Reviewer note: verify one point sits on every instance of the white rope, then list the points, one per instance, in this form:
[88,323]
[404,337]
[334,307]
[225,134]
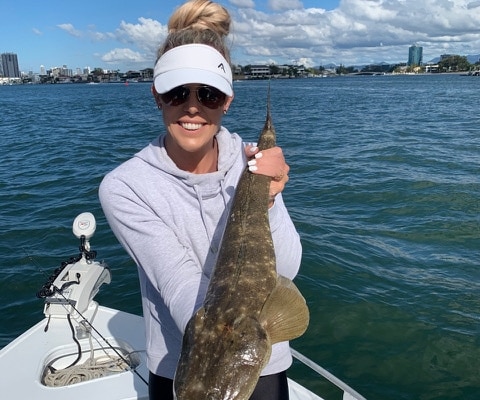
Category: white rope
[92,368]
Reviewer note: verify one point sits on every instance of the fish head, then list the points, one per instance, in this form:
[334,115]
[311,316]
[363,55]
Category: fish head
[221,362]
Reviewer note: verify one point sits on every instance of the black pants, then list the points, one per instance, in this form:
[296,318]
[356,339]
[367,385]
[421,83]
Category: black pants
[270,387]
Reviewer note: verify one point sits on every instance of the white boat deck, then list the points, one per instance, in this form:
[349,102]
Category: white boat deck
[22,362]
[44,362]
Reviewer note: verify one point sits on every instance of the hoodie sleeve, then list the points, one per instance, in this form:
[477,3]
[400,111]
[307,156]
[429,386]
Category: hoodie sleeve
[172,276]
[288,249]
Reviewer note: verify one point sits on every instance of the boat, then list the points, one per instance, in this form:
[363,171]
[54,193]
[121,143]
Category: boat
[82,350]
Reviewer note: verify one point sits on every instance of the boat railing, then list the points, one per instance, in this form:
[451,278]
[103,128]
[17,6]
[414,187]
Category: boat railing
[348,392]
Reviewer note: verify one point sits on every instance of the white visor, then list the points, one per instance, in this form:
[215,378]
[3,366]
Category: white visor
[192,63]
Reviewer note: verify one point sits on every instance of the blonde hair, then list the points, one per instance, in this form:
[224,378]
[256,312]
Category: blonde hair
[198,21]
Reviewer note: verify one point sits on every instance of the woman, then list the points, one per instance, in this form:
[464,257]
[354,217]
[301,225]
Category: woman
[167,205]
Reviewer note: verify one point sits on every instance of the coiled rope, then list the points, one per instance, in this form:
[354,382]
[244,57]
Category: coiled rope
[92,368]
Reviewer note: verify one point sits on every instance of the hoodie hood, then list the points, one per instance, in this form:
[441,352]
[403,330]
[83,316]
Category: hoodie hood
[212,191]
[230,145]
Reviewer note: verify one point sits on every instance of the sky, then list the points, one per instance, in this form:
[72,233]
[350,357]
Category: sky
[118,35]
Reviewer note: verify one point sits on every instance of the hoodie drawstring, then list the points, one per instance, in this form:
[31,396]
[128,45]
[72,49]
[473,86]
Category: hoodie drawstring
[213,248]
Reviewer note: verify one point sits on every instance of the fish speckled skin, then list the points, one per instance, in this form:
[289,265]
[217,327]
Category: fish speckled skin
[247,308]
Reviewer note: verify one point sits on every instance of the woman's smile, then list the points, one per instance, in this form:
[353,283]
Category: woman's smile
[190,126]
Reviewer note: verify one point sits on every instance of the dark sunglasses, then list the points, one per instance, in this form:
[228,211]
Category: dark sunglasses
[207,96]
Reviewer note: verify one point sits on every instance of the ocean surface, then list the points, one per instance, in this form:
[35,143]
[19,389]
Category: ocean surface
[384,190]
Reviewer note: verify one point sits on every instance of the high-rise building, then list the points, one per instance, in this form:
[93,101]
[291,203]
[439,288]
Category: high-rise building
[10,65]
[415,55]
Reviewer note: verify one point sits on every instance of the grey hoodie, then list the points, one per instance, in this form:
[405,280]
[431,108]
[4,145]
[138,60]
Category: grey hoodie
[171,223]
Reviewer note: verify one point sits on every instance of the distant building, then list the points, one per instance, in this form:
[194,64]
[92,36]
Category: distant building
[445,56]
[62,71]
[10,65]
[259,71]
[432,68]
[415,55]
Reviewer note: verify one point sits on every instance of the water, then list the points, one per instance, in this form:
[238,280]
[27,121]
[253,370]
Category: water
[384,190]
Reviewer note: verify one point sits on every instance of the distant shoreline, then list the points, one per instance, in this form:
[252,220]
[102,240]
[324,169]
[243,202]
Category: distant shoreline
[17,81]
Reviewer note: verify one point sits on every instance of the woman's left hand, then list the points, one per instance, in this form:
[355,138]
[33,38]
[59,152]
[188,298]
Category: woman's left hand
[269,162]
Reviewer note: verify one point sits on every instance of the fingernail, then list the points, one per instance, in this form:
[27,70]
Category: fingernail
[253,149]
[252,162]
[259,155]
[252,168]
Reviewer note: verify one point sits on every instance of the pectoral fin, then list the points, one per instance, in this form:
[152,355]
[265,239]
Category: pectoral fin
[285,313]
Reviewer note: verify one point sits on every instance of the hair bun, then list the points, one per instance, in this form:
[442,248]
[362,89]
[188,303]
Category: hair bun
[200,15]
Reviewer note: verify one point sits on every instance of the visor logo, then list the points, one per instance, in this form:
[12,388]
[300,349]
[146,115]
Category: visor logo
[221,66]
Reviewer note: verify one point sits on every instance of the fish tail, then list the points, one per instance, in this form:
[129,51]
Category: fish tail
[268,136]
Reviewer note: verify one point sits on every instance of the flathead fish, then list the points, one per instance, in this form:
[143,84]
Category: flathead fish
[248,306]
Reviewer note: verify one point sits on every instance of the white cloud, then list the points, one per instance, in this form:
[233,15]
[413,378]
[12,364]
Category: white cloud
[357,32]
[143,37]
[147,34]
[353,32]
[37,31]
[242,3]
[123,55]
[101,36]
[278,5]
[473,4]
[305,61]
[69,28]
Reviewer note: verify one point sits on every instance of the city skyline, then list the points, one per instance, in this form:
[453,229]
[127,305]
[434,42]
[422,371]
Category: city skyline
[9,62]
[308,32]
